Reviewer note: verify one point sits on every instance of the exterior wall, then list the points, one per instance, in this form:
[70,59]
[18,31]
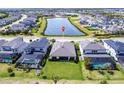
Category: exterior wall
[100,51]
[111,51]
[61,58]
[8,58]
[5,48]
[121,52]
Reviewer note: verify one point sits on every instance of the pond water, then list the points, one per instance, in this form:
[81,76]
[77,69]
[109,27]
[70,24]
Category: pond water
[54,26]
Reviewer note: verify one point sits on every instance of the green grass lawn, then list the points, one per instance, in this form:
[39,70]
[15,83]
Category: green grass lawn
[68,72]
[43,24]
[64,70]
[21,74]
[3,15]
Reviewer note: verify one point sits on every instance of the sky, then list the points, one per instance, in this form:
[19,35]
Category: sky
[61,3]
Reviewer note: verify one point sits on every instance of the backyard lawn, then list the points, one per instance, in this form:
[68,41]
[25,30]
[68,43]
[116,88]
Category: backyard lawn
[64,70]
[67,72]
[18,73]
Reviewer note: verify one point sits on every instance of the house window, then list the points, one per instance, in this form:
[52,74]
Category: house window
[94,51]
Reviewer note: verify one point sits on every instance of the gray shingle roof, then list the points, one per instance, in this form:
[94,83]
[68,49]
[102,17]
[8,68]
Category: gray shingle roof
[31,58]
[116,45]
[15,43]
[63,49]
[121,60]
[93,46]
[2,42]
[39,43]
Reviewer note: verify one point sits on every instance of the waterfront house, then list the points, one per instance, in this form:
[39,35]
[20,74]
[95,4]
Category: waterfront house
[11,50]
[34,54]
[40,45]
[97,53]
[63,51]
[116,50]
[2,41]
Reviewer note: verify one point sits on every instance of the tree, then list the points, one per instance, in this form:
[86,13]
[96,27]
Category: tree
[30,40]
[12,74]
[108,68]
[101,71]
[53,40]
[88,63]
[9,70]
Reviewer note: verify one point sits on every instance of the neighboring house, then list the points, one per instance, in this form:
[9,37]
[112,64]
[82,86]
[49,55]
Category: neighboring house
[11,50]
[40,45]
[116,50]
[1,43]
[97,53]
[63,51]
[34,54]
[87,48]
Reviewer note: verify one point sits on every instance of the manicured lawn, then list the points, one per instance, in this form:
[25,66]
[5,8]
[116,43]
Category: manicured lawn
[64,70]
[2,15]
[43,24]
[21,74]
[67,72]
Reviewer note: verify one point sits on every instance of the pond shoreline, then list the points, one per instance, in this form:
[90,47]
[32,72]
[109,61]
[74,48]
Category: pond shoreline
[71,30]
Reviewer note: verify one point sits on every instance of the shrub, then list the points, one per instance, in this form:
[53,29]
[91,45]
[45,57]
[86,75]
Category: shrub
[53,40]
[9,70]
[36,82]
[55,79]
[101,72]
[89,78]
[44,77]
[103,82]
[12,74]
[110,72]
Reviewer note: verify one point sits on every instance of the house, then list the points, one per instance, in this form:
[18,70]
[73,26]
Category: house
[97,53]
[11,50]
[40,45]
[34,54]
[2,41]
[63,51]
[30,60]
[116,50]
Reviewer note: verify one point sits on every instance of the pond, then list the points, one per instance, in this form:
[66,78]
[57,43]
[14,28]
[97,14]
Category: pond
[54,26]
